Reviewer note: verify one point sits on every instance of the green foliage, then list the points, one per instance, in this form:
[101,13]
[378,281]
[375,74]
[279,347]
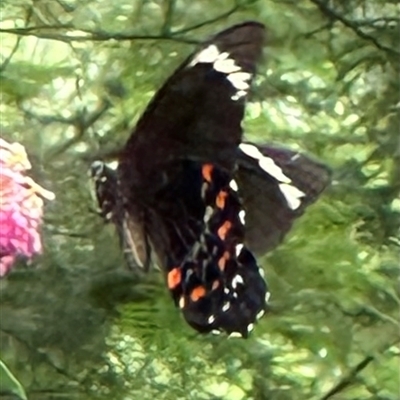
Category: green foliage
[10,384]
[75,76]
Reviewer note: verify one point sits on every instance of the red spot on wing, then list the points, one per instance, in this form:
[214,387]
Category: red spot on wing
[197,293]
[207,171]
[224,229]
[221,199]
[222,261]
[174,278]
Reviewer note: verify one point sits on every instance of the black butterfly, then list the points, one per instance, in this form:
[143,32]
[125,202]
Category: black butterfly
[188,189]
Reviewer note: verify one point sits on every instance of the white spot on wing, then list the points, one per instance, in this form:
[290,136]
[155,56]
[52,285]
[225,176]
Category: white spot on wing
[207,55]
[226,306]
[237,280]
[250,150]
[216,332]
[267,297]
[112,165]
[261,272]
[226,66]
[260,314]
[235,334]
[242,215]
[211,319]
[250,327]
[240,80]
[238,249]
[269,166]
[233,185]
[292,195]
[238,95]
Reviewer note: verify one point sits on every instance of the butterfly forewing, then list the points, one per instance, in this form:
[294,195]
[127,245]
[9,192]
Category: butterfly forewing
[197,113]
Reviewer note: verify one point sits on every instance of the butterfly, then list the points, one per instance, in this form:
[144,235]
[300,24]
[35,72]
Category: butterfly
[187,189]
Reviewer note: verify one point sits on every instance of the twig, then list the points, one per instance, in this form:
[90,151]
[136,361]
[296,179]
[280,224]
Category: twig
[332,14]
[15,48]
[81,122]
[226,14]
[89,36]
[169,14]
[349,378]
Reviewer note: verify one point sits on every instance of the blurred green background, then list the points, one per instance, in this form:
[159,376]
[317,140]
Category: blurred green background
[76,74]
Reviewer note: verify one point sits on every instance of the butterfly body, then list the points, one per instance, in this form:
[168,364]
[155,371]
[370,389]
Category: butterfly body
[188,189]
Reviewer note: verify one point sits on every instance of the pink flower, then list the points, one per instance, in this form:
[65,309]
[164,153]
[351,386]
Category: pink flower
[21,207]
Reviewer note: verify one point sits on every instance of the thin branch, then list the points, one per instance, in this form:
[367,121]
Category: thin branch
[226,14]
[103,36]
[17,43]
[169,15]
[334,15]
[44,356]
[349,378]
[94,36]
[81,122]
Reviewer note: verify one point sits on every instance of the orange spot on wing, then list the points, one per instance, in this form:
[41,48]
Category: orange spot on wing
[198,293]
[223,229]
[206,171]
[222,261]
[221,197]
[174,278]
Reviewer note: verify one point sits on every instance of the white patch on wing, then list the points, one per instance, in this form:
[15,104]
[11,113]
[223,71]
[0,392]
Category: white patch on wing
[269,166]
[233,185]
[207,55]
[238,249]
[260,314]
[242,215]
[235,334]
[291,193]
[240,80]
[237,280]
[250,150]
[112,165]
[239,94]
[222,63]
[226,65]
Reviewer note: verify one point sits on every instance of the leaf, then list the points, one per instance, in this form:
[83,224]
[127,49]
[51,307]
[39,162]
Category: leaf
[9,383]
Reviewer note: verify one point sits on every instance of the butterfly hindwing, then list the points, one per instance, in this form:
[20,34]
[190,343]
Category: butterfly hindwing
[217,284]
[276,185]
